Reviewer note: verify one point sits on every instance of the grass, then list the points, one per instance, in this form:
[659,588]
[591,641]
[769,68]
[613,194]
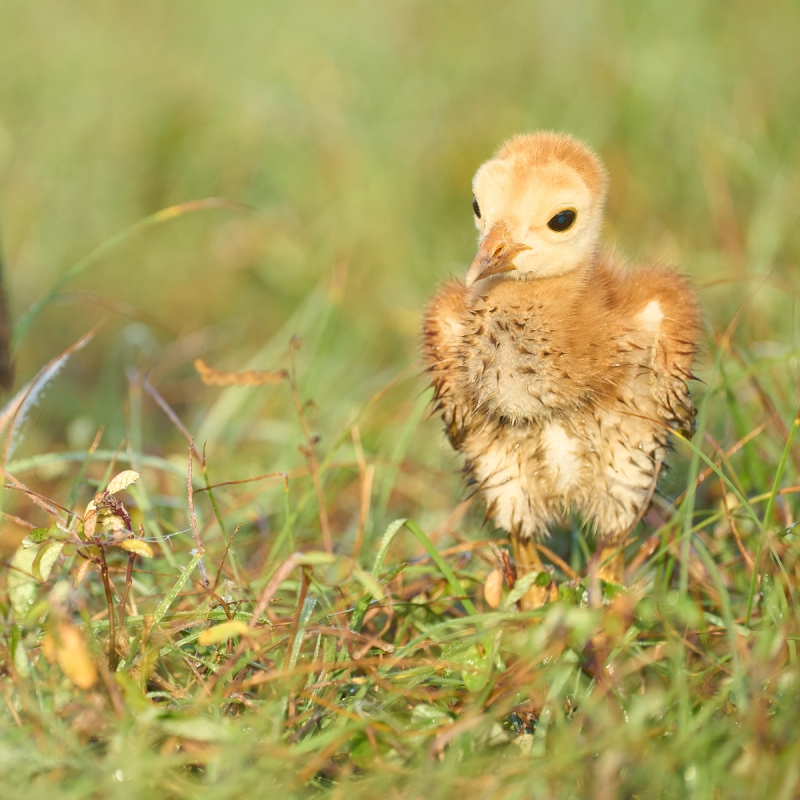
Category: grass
[300,607]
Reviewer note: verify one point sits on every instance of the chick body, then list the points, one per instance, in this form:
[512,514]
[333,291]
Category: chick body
[559,384]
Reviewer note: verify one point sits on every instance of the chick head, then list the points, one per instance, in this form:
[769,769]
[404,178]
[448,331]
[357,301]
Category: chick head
[539,208]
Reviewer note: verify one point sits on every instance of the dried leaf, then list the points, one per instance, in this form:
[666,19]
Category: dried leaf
[81,573]
[137,546]
[223,632]
[250,377]
[493,588]
[89,521]
[105,511]
[122,481]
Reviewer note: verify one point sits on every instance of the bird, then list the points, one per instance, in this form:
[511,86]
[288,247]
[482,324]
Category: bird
[559,369]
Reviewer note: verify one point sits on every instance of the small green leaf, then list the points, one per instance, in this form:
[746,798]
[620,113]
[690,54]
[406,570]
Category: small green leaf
[361,751]
[45,558]
[521,586]
[573,595]
[476,665]
[770,599]
[30,565]
[39,535]
[21,661]
[427,716]
[175,590]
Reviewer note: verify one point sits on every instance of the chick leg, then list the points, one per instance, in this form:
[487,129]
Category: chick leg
[607,564]
[612,564]
[526,558]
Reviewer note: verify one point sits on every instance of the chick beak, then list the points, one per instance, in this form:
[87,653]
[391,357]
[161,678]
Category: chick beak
[496,254]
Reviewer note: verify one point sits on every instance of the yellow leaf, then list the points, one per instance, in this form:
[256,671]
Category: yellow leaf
[141,548]
[80,574]
[122,481]
[493,588]
[72,655]
[49,648]
[223,632]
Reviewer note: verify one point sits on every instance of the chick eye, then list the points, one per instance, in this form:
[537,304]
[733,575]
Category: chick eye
[476,208]
[562,221]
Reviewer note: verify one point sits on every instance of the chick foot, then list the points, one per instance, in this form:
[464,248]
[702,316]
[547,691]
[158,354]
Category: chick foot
[527,560]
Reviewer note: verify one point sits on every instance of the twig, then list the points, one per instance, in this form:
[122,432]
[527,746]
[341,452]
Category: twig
[45,503]
[113,660]
[176,421]
[558,561]
[193,519]
[225,556]
[310,451]
[126,590]
[173,417]
[114,694]
[211,497]
[748,559]
[247,480]
[23,523]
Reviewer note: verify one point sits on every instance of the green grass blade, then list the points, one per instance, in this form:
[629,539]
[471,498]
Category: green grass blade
[444,567]
[176,588]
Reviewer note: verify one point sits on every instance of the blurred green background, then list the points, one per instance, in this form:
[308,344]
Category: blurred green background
[353,130]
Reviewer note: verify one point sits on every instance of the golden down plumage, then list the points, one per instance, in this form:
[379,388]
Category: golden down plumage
[558,370]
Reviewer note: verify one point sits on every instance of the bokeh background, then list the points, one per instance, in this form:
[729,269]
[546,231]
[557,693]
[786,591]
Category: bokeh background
[352,130]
